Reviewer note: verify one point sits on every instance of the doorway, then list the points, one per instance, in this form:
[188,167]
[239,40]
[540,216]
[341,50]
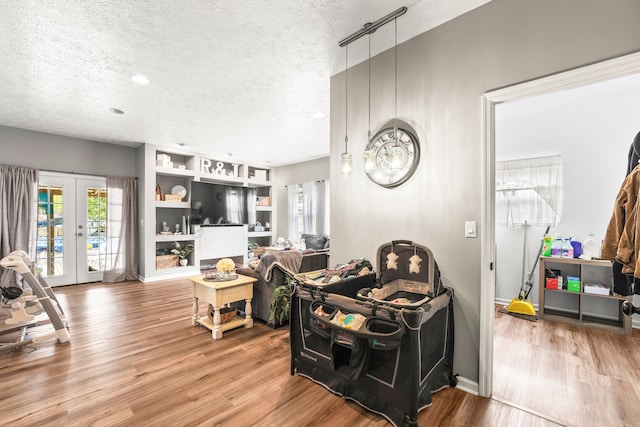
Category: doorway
[71,229]
[607,70]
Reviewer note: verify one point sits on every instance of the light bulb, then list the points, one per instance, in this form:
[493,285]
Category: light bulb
[396,157]
[369,161]
[345,164]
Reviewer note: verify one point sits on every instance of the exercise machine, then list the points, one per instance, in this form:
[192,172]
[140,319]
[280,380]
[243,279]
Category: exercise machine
[26,302]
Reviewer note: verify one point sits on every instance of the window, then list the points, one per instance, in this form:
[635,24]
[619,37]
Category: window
[308,208]
[529,190]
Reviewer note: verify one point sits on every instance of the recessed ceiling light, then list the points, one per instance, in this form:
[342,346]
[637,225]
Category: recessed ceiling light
[116,111]
[181,144]
[140,79]
[319,115]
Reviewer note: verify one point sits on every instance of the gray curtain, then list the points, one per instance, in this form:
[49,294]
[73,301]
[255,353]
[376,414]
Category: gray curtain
[122,230]
[18,209]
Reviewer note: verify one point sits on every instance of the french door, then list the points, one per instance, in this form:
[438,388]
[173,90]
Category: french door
[71,234]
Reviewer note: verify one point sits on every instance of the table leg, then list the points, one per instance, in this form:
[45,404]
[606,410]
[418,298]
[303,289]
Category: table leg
[195,316]
[216,332]
[248,321]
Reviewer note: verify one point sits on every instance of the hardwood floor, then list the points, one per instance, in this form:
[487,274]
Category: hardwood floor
[576,375]
[135,360]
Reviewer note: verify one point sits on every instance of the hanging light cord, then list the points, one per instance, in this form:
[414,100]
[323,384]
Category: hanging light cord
[395,52]
[346,96]
[369,62]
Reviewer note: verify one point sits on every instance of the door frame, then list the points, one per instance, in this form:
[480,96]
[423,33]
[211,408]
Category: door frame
[71,264]
[583,76]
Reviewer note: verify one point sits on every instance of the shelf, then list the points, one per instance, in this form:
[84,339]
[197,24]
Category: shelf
[260,233]
[607,316]
[251,182]
[214,177]
[166,171]
[174,237]
[173,205]
[188,168]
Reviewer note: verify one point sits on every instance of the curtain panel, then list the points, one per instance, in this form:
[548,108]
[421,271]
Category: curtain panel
[122,230]
[18,209]
[529,190]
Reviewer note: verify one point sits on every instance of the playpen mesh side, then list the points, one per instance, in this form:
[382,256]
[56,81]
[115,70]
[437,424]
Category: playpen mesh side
[382,381]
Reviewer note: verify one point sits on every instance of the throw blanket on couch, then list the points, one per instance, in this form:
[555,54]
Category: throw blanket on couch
[288,261]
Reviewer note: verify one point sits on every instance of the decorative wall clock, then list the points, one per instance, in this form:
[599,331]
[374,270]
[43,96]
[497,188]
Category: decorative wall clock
[383,174]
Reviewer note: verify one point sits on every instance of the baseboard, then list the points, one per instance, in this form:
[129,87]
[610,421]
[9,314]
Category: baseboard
[467,385]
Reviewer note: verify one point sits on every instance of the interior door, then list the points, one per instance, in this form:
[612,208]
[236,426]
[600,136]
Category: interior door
[71,228]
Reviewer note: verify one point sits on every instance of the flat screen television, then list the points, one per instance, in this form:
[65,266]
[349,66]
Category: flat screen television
[222,204]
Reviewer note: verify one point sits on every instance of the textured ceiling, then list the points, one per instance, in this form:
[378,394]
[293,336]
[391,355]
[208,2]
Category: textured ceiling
[239,77]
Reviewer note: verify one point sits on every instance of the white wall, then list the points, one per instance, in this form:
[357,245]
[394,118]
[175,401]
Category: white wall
[592,128]
[442,76]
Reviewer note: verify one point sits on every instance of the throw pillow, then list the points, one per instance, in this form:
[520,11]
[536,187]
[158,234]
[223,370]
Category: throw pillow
[314,241]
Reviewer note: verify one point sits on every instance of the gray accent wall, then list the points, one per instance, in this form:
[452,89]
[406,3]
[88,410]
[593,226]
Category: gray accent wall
[442,75]
[57,153]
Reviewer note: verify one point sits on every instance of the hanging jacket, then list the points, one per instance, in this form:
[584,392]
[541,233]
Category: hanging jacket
[634,154]
[622,238]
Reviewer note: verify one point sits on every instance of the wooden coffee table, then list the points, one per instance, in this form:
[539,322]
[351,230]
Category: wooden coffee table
[218,294]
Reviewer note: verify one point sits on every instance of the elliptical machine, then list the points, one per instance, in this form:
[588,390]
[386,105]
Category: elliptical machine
[27,306]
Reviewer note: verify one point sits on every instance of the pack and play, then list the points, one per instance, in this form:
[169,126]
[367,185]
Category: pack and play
[387,346]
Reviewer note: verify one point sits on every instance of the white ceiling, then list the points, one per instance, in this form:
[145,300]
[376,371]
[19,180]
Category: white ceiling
[235,77]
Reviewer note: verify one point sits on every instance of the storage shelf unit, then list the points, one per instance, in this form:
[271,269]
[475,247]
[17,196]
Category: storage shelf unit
[577,307]
[184,169]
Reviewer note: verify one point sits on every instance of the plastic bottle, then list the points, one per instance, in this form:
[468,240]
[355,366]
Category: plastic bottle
[590,248]
[556,247]
[577,248]
[546,246]
[567,249]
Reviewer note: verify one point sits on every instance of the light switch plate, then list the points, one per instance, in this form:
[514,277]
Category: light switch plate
[470,229]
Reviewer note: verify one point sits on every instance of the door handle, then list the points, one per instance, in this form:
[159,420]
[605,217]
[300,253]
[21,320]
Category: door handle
[79,234]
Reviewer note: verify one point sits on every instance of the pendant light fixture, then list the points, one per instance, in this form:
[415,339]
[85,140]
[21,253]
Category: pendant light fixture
[396,153]
[345,159]
[369,155]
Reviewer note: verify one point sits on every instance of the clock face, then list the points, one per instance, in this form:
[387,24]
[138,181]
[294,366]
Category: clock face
[390,170]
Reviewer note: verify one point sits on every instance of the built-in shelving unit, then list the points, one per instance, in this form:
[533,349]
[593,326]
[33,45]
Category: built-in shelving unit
[168,169]
[579,307]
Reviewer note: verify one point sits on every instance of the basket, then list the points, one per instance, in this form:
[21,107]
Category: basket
[166,261]
[226,313]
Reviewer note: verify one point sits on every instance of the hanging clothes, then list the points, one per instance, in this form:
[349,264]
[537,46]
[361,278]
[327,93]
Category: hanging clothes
[634,154]
[622,239]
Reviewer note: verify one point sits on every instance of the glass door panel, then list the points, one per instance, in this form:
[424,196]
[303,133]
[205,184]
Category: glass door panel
[71,233]
[55,243]
[92,209]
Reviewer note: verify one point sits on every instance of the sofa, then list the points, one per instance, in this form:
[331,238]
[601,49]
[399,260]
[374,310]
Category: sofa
[271,271]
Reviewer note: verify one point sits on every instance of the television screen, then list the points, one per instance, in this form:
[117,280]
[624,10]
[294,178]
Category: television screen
[220,204]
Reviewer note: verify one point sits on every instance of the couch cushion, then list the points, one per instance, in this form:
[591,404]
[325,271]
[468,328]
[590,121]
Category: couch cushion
[314,241]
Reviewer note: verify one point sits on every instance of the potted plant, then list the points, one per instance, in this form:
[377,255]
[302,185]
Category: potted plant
[280,304]
[182,250]
[251,246]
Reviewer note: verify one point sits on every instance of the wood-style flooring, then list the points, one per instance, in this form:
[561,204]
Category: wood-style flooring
[135,360]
